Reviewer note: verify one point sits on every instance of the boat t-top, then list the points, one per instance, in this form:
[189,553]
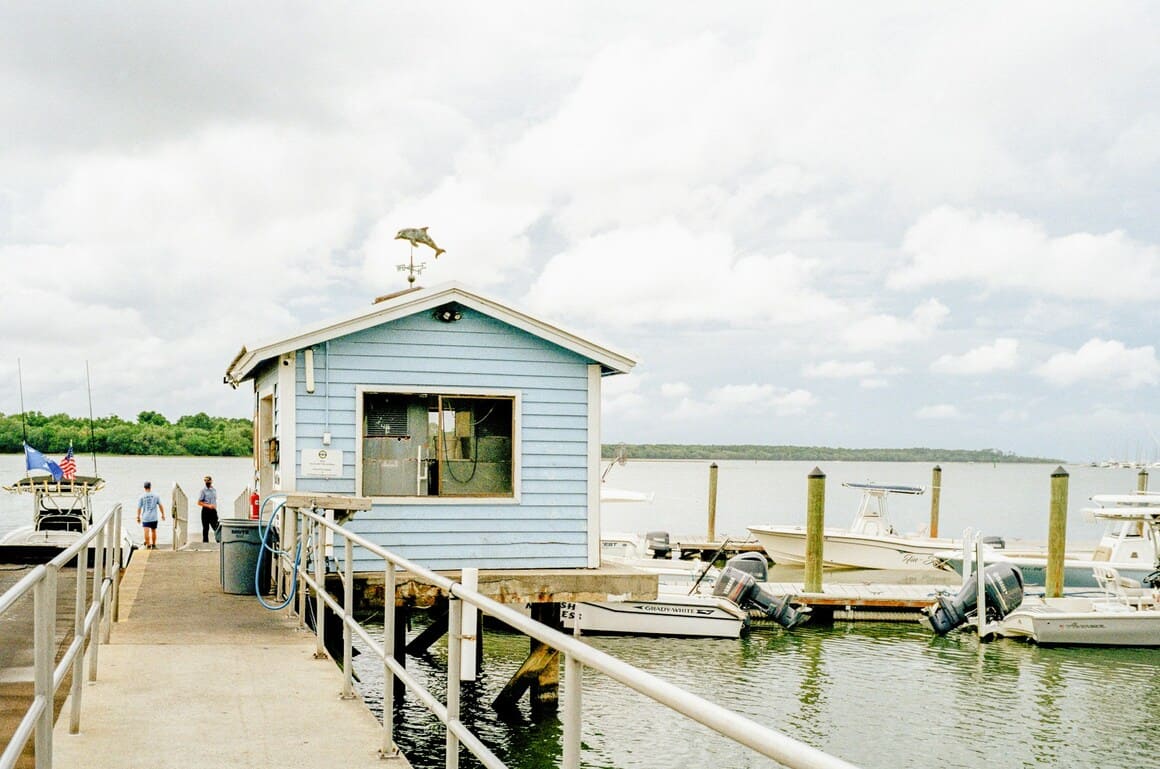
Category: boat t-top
[870,542]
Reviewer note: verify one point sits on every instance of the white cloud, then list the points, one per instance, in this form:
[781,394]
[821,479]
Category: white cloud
[716,187]
[1108,362]
[939,411]
[744,402]
[810,224]
[837,369]
[665,273]
[1007,251]
[1000,356]
[884,331]
[622,395]
[1014,416]
[761,398]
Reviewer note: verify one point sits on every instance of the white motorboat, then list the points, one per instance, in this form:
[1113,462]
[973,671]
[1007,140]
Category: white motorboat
[1082,622]
[671,614]
[62,513]
[654,553]
[1126,614]
[1127,545]
[870,542]
[719,611]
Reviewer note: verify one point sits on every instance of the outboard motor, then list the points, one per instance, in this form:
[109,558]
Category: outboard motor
[1003,587]
[742,589]
[658,543]
[753,564]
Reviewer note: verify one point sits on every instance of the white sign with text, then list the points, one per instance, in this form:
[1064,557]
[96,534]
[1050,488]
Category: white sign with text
[321,463]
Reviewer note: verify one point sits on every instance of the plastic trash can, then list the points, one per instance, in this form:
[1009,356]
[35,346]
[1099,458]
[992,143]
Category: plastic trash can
[241,543]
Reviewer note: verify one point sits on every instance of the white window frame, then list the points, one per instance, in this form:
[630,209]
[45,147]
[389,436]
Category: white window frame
[361,391]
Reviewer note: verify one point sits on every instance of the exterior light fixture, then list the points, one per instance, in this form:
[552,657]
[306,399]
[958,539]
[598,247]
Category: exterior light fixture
[448,313]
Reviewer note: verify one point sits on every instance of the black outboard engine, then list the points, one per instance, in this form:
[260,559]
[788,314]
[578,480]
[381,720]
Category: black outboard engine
[741,588]
[658,543]
[1003,587]
[753,564]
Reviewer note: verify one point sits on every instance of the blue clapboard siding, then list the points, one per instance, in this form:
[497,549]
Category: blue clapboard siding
[548,528]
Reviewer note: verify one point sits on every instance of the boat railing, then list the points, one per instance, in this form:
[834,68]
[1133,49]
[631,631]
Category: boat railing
[97,588]
[309,534]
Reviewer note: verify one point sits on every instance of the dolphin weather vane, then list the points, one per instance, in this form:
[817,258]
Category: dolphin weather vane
[418,237]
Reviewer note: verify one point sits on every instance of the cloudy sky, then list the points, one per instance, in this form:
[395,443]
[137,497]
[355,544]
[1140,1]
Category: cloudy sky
[853,224]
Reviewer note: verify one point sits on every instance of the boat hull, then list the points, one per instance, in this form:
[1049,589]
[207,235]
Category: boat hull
[1077,572]
[28,546]
[682,616]
[1077,622]
[786,545]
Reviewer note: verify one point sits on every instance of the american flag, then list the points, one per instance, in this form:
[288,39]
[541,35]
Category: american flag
[68,465]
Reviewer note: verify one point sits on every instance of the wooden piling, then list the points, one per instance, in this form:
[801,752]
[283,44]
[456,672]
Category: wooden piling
[1142,480]
[540,673]
[815,527]
[1056,533]
[935,493]
[712,537]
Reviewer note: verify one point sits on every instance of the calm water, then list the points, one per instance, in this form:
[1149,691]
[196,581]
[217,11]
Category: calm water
[878,695]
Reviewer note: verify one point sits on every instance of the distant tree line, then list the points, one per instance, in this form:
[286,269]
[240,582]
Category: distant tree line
[812,453]
[151,434]
[203,435]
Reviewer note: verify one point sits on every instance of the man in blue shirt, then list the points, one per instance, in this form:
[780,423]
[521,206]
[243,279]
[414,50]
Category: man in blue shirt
[207,501]
[148,507]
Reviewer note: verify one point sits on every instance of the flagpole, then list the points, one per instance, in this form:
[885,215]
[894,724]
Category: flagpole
[92,434]
[23,425]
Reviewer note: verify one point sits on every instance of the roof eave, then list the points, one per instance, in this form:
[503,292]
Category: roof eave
[409,303]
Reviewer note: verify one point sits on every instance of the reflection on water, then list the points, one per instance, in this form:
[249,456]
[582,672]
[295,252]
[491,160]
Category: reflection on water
[876,694]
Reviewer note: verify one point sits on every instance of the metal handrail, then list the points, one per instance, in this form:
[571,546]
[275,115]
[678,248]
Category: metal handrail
[95,612]
[311,530]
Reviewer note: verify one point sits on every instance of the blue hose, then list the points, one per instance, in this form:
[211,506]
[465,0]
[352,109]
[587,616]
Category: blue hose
[264,531]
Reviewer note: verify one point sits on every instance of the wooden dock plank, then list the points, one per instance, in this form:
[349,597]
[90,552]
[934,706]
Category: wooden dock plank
[860,594]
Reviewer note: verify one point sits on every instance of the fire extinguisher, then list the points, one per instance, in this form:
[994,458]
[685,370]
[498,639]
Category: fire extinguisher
[254,505]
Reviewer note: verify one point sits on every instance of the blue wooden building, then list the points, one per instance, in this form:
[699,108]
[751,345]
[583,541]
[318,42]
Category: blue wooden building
[474,427]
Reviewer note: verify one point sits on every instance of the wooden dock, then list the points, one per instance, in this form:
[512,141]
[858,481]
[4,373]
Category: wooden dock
[194,677]
[863,601]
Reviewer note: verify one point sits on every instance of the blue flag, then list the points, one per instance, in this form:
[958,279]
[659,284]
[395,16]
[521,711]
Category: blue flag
[34,460]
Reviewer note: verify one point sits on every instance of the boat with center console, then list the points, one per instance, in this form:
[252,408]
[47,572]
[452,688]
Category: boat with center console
[62,511]
[870,542]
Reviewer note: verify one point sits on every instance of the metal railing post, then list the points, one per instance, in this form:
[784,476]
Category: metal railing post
[303,529]
[389,748]
[347,618]
[78,666]
[44,641]
[454,660]
[99,598]
[115,533]
[320,587]
[573,688]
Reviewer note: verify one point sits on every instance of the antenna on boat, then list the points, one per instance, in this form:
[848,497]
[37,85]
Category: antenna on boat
[92,433]
[621,458]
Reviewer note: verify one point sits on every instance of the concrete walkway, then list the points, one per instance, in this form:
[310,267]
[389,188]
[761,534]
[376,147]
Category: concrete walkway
[197,678]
